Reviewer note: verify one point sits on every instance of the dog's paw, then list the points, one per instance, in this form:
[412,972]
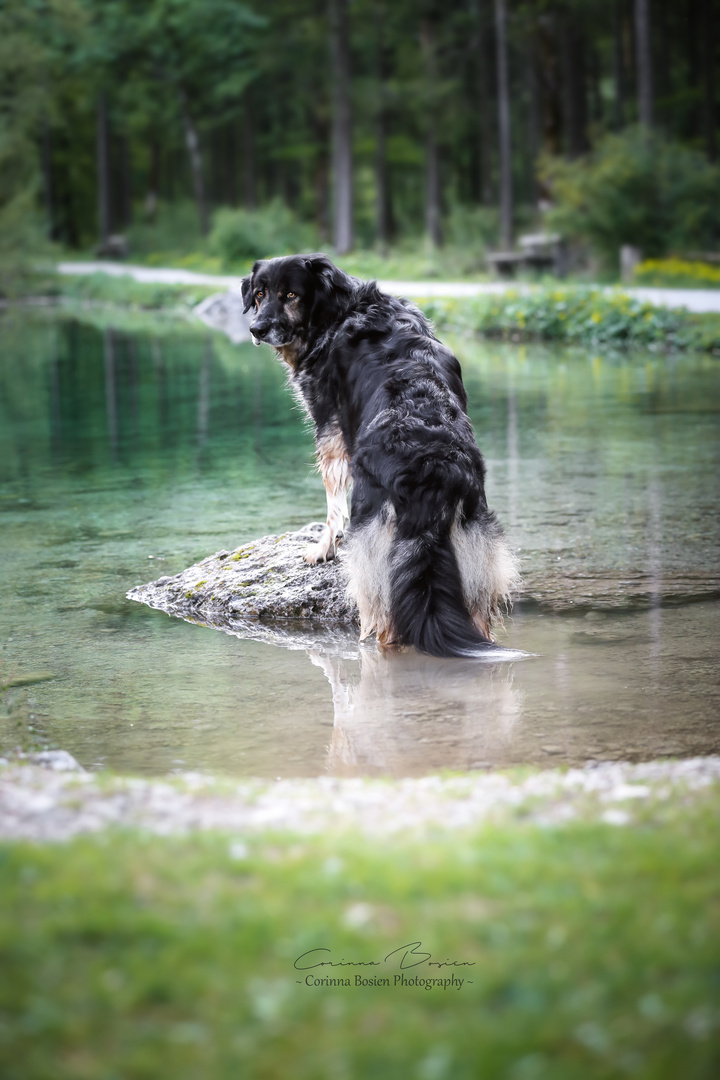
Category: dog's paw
[325,549]
[319,553]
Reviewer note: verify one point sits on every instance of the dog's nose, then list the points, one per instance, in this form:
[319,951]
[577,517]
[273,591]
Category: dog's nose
[259,329]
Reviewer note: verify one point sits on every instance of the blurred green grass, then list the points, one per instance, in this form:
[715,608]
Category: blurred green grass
[595,953]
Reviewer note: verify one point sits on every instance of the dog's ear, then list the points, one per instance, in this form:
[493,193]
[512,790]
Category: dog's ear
[333,287]
[247,289]
[247,293]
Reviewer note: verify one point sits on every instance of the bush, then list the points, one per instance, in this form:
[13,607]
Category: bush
[698,275]
[174,228]
[240,236]
[577,316]
[635,188]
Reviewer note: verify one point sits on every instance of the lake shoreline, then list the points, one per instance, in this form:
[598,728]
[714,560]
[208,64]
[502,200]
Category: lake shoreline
[516,312]
[49,797]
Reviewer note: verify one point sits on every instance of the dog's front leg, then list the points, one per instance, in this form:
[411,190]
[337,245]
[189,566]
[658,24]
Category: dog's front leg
[334,467]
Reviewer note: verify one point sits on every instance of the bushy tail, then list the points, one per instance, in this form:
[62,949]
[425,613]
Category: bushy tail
[426,598]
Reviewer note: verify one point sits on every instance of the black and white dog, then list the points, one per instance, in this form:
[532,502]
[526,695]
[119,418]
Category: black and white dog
[427,561]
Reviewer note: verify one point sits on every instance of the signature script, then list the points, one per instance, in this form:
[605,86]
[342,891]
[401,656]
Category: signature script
[409,956]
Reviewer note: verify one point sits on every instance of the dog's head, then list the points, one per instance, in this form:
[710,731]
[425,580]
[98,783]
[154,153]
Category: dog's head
[293,296]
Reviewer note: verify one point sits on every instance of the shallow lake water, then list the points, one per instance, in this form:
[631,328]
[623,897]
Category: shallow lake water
[125,456]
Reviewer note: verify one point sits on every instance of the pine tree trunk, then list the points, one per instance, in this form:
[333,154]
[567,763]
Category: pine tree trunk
[249,156]
[230,164]
[532,119]
[125,182]
[433,221]
[618,67]
[575,87]
[192,143]
[383,207]
[103,170]
[549,85]
[483,59]
[644,62]
[506,191]
[153,189]
[341,127]
[383,203]
[708,53]
[321,175]
[433,217]
[48,192]
[486,122]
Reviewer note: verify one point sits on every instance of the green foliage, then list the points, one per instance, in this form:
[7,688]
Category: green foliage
[470,230]
[578,316]
[241,236]
[173,231]
[24,106]
[593,951]
[251,89]
[204,48]
[635,188]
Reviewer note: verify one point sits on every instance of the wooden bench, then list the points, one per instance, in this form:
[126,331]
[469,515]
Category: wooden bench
[538,251]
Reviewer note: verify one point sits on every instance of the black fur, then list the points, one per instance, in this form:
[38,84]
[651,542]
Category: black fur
[368,364]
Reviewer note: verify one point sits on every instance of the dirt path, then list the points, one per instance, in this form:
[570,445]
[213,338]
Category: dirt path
[698,300]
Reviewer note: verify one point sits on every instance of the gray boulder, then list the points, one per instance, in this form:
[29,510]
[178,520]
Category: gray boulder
[263,590]
[224,311]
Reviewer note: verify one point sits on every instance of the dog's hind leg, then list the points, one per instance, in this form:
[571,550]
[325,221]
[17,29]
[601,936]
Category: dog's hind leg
[334,467]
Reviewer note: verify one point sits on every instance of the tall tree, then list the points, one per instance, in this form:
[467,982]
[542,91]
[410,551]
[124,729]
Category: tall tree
[197,54]
[192,142]
[433,213]
[48,185]
[644,62]
[384,224]
[103,170]
[708,65]
[248,153]
[575,85]
[343,236]
[504,142]
[481,26]
[618,66]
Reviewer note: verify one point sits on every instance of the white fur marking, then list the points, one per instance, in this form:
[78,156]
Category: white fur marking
[368,569]
[335,469]
[488,570]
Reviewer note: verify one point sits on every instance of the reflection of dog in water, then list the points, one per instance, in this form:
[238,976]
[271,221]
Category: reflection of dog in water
[409,714]
[427,560]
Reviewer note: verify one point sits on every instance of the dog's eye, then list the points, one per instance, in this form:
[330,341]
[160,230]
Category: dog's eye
[291,295]
[259,294]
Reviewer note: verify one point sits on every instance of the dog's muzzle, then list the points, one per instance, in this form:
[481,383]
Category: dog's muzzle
[265,333]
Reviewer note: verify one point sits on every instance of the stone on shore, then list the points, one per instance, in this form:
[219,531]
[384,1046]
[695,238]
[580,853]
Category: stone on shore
[224,311]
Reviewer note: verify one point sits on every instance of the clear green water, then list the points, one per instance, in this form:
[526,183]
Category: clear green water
[125,456]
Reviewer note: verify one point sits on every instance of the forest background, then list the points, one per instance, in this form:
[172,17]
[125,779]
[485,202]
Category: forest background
[211,132]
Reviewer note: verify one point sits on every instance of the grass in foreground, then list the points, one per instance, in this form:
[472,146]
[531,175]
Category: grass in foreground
[587,951]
